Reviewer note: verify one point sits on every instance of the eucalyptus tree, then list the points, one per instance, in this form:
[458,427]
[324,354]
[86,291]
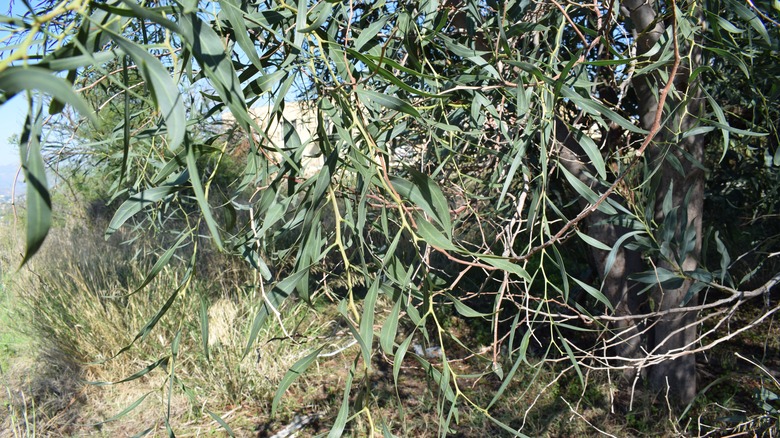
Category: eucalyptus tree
[471,149]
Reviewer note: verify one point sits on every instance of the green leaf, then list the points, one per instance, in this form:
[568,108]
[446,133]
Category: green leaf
[505,264]
[595,293]
[208,49]
[573,359]
[752,18]
[265,83]
[300,22]
[161,263]
[519,149]
[38,199]
[390,328]
[367,318]
[324,12]
[147,328]
[389,75]
[432,236]
[72,62]
[341,419]
[126,410]
[273,298]
[615,249]
[204,325]
[137,375]
[222,423]
[725,259]
[586,192]
[593,242]
[662,276]
[138,202]
[164,89]
[15,79]
[442,379]
[725,54]
[200,195]
[512,432]
[364,350]
[235,16]
[426,194]
[722,119]
[726,25]
[388,101]
[608,62]
[399,357]
[465,310]
[735,130]
[370,33]
[521,357]
[597,109]
[593,152]
[292,375]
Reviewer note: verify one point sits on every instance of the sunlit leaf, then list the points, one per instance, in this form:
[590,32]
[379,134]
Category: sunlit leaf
[292,375]
[166,93]
[389,102]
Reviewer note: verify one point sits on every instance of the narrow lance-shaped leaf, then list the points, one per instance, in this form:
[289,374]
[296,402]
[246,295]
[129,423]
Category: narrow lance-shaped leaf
[426,194]
[221,423]
[126,410]
[200,195]
[136,203]
[367,318]
[235,16]
[204,325]
[390,328]
[164,90]
[388,101]
[209,51]
[161,262]
[341,419]
[573,359]
[465,310]
[147,328]
[15,79]
[38,199]
[138,374]
[292,375]
[271,303]
[364,349]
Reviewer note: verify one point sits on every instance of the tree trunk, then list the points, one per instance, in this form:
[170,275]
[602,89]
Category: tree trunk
[674,333]
[622,293]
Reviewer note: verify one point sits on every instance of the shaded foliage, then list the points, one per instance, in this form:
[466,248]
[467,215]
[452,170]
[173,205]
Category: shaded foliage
[534,166]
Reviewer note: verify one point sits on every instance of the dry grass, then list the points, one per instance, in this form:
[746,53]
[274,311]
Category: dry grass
[73,300]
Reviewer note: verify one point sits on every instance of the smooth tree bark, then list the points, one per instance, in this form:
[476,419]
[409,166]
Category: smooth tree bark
[679,183]
[628,340]
[672,334]
[681,186]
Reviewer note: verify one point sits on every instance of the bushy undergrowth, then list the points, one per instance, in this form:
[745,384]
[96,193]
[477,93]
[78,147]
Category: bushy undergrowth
[78,301]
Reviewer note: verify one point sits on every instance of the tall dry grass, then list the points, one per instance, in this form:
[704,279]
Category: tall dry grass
[77,300]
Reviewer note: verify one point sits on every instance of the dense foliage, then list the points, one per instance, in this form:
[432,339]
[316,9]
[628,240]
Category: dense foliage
[556,172]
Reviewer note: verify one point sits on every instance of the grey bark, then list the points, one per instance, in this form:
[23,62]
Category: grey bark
[672,333]
[621,292]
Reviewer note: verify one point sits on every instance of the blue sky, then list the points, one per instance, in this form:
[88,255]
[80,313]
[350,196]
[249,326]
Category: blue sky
[12,113]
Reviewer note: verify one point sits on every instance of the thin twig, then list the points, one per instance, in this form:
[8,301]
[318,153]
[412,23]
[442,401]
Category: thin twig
[655,128]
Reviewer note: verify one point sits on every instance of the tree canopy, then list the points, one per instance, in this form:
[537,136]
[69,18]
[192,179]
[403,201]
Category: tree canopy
[552,169]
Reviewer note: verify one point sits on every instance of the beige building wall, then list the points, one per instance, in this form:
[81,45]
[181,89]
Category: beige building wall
[305,123]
